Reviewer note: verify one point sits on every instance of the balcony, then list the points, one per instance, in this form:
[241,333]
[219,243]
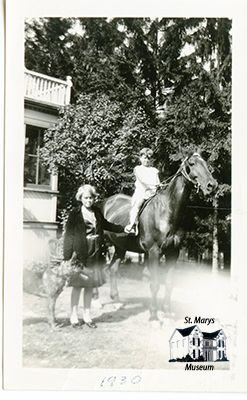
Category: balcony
[47,90]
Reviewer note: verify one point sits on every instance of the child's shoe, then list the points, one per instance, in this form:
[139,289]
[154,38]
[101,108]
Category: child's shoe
[130,230]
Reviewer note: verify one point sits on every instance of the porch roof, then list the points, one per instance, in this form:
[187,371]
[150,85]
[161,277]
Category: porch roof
[210,335]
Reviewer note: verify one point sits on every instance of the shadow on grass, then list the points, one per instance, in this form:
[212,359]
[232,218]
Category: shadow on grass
[60,322]
[34,320]
[131,307]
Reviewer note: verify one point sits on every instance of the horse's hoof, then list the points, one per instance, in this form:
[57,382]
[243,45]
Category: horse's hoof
[96,303]
[153,317]
[55,327]
[166,310]
[118,305]
[115,298]
[168,314]
[171,314]
[91,325]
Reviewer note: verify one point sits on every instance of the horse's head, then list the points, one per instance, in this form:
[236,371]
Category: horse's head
[195,170]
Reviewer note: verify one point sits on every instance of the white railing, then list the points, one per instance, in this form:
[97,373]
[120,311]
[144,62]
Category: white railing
[47,89]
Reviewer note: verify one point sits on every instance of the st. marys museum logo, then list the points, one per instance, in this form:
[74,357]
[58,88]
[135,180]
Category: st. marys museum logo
[192,345]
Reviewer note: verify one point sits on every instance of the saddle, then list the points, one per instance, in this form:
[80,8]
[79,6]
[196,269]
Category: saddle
[144,204]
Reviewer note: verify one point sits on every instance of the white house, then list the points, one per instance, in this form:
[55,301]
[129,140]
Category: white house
[186,341]
[214,345]
[43,97]
[192,341]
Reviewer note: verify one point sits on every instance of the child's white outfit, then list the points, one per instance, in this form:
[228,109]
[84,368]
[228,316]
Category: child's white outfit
[147,180]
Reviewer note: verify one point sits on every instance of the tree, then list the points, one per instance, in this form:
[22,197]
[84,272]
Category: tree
[198,114]
[47,43]
[123,71]
[95,142]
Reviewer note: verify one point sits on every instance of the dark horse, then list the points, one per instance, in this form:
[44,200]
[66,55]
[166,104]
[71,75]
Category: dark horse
[159,225]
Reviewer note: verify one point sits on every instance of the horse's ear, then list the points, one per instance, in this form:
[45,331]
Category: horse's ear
[188,152]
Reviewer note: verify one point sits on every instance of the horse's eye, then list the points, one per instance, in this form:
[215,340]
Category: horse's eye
[191,162]
[187,169]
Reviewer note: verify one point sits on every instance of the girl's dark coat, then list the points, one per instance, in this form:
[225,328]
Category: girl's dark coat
[75,233]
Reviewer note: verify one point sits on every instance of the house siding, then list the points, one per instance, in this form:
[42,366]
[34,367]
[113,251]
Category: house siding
[178,346]
[195,349]
[40,203]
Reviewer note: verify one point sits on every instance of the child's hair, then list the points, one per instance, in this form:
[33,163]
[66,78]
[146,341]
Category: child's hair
[85,189]
[146,152]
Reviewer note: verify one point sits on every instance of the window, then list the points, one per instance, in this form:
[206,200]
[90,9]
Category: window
[194,354]
[194,341]
[34,172]
[198,341]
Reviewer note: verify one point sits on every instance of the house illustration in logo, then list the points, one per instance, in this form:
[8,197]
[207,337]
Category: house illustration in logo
[199,346]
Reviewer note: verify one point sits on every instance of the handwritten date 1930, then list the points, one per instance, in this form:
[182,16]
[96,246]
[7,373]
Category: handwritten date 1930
[120,380]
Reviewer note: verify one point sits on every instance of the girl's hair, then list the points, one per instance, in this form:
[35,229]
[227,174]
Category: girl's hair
[146,151]
[85,189]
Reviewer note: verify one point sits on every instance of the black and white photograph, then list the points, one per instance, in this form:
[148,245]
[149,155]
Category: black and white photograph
[127,231]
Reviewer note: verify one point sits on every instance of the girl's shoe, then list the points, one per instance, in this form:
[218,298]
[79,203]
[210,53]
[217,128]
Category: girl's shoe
[74,321]
[78,325]
[91,324]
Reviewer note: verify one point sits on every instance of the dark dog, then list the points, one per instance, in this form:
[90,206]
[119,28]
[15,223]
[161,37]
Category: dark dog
[56,276]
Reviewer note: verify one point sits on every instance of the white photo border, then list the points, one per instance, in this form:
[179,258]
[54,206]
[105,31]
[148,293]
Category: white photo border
[19,378]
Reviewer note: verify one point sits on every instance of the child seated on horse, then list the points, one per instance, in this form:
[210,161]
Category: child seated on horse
[147,181]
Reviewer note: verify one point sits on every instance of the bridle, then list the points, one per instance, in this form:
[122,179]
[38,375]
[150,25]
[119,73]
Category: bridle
[182,171]
[185,174]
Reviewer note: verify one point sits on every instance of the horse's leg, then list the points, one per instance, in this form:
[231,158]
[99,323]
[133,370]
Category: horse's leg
[146,272]
[95,293]
[153,258]
[171,259]
[96,303]
[114,265]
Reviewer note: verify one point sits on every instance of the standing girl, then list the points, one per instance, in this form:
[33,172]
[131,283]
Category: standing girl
[84,236]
